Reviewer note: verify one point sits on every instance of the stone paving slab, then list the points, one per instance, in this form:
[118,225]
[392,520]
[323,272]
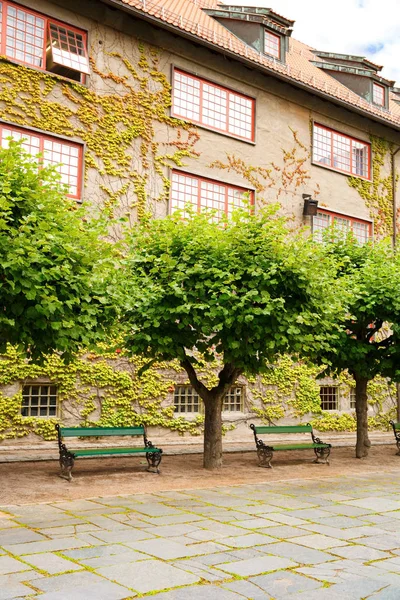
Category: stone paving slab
[270,541]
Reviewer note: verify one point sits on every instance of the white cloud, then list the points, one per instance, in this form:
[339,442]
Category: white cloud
[368,28]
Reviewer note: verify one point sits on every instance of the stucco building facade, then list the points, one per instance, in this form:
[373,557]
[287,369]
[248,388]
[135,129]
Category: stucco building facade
[145,106]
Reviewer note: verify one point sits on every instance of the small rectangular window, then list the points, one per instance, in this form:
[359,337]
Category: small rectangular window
[206,194]
[272,44]
[341,152]
[39,400]
[352,398]
[213,106]
[186,400]
[329,397]
[362,230]
[378,94]
[37,41]
[66,156]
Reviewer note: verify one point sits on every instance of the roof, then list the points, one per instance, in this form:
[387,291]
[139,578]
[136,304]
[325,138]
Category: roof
[189,17]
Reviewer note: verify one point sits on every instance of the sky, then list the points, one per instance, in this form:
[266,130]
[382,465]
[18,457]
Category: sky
[368,28]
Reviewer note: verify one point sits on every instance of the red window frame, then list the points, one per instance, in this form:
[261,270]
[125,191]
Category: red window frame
[5,4]
[270,46]
[227,187]
[331,162]
[227,119]
[351,220]
[41,150]
[378,94]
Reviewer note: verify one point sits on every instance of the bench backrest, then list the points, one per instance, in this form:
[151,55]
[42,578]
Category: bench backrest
[100,431]
[282,429]
[395,426]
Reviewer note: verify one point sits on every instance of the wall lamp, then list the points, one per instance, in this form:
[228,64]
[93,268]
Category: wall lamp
[310,206]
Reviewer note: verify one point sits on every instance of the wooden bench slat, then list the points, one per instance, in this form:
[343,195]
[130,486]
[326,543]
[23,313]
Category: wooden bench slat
[298,446]
[105,451]
[99,431]
[284,429]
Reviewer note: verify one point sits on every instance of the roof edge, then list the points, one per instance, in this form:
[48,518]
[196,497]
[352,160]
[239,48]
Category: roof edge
[250,63]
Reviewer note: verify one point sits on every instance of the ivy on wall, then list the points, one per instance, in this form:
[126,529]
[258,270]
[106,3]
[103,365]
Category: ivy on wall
[378,193]
[118,127]
[119,124]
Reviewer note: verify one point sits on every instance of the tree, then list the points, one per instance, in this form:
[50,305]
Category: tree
[244,291]
[369,340]
[54,264]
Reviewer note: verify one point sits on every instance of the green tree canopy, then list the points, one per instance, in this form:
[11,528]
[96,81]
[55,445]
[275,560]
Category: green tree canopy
[54,263]
[369,339]
[245,290]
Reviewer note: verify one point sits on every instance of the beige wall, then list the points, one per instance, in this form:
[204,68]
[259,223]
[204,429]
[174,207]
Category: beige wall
[279,107]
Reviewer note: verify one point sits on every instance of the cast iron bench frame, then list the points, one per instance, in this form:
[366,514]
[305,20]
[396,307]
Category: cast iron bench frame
[265,452]
[396,431]
[67,457]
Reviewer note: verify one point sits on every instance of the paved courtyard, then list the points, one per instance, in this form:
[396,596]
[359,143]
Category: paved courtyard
[333,538]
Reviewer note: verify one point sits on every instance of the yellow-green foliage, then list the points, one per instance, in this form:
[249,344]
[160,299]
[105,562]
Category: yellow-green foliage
[378,194]
[101,390]
[293,385]
[118,127]
[104,389]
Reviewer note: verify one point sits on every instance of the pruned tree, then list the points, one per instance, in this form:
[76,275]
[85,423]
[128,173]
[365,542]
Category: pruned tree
[369,341]
[246,291]
[54,263]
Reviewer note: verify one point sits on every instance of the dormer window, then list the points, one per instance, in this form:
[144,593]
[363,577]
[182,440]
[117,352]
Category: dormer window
[378,94]
[272,44]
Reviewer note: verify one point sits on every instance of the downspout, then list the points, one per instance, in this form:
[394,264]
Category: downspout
[394,241]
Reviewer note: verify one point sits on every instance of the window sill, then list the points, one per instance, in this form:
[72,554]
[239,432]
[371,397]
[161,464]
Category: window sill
[333,170]
[61,78]
[201,126]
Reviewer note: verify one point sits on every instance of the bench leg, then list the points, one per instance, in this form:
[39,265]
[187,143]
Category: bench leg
[398,447]
[67,461]
[322,456]
[153,460]
[265,454]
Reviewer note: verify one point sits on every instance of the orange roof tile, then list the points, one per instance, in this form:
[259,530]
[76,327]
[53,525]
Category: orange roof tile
[188,16]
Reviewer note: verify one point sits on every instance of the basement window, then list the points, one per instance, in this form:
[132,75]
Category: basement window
[329,397]
[39,400]
[187,400]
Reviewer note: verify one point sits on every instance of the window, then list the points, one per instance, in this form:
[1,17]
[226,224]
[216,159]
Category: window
[329,397]
[206,194]
[186,400]
[39,400]
[362,230]
[341,152]
[213,106]
[272,44]
[37,41]
[67,156]
[352,398]
[378,94]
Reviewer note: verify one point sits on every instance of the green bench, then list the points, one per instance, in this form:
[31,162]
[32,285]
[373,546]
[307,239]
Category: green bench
[67,457]
[396,431]
[265,452]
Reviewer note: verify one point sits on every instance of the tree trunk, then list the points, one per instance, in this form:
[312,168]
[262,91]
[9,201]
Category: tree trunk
[398,401]
[363,444]
[212,458]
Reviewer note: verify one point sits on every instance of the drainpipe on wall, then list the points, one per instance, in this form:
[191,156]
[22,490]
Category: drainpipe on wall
[394,241]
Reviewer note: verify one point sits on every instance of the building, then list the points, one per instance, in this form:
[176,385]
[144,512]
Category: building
[148,104]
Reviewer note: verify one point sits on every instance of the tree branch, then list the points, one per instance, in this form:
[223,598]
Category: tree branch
[371,332]
[200,388]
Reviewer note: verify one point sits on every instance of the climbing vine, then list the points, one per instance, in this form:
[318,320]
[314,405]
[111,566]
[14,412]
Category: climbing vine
[378,193]
[292,174]
[121,128]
